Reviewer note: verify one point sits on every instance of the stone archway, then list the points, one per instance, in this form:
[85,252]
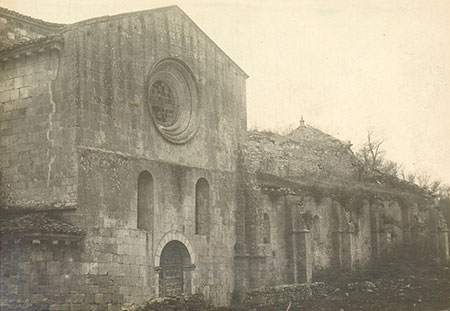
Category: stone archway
[175,265]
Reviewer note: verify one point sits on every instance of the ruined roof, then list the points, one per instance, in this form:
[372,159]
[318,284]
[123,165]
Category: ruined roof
[310,165]
[302,135]
[305,133]
[36,223]
[306,153]
[386,187]
[26,18]
[308,158]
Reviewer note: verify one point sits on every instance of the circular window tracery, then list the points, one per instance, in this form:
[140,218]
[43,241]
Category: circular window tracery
[163,103]
[172,96]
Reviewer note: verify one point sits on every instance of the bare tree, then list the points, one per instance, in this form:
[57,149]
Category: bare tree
[444,191]
[423,180]
[411,177]
[392,168]
[371,153]
[435,186]
[372,156]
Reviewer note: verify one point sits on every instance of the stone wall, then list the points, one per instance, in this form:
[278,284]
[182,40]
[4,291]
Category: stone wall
[342,233]
[276,268]
[36,144]
[107,269]
[114,57]
[52,276]
[78,133]
[111,222]
[116,140]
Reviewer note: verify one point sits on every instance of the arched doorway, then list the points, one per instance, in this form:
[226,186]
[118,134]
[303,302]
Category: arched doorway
[175,264]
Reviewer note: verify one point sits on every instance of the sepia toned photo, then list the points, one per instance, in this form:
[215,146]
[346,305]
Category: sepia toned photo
[253,155]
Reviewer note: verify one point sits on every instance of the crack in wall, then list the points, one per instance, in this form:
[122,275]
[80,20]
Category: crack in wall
[55,65]
[50,128]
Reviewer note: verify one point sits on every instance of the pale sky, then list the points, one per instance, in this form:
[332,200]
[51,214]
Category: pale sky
[347,66]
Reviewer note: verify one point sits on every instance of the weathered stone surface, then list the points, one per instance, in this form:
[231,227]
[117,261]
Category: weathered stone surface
[76,134]
[308,181]
[87,109]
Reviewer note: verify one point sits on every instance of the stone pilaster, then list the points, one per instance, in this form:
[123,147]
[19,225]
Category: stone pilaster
[347,250]
[385,242]
[302,256]
[443,247]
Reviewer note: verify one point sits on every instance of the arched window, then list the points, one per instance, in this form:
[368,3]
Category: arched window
[202,207]
[266,229]
[145,198]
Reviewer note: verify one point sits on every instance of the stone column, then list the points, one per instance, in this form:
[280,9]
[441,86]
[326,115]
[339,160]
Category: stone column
[242,275]
[337,249]
[158,282]
[302,256]
[443,247]
[385,242]
[300,237]
[347,245]
[254,279]
[375,245]
[381,243]
[378,237]
[187,279]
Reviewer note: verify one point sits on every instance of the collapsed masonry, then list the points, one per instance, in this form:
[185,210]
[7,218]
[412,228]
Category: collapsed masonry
[310,207]
[127,172]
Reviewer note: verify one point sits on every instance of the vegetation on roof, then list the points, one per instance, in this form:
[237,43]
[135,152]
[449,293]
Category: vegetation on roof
[319,164]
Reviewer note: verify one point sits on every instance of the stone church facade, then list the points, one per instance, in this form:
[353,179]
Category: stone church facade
[127,173]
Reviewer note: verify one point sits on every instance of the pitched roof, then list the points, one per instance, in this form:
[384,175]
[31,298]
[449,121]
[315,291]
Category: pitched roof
[166,8]
[26,18]
[31,43]
[65,27]
[36,223]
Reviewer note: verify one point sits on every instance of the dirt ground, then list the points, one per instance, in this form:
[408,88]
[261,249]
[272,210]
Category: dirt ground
[416,289]
[407,282]
[389,287]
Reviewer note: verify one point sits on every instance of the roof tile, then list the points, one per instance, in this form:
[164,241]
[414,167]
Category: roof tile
[36,223]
